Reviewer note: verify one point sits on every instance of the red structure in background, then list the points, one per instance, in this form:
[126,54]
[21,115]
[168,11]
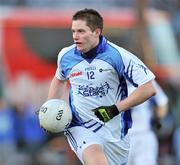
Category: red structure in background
[20,58]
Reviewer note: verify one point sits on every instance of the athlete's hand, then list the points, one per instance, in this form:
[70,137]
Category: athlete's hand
[156,123]
[45,130]
[37,113]
[106,113]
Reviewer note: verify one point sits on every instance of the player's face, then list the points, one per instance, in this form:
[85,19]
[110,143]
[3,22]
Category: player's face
[84,38]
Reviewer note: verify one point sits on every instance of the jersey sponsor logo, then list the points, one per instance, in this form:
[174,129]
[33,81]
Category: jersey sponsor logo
[104,70]
[89,90]
[90,68]
[75,74]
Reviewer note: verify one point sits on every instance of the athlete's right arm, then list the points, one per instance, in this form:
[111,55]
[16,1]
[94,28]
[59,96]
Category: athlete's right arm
[56,89]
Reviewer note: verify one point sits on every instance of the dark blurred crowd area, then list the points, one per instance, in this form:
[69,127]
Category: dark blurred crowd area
[23,142]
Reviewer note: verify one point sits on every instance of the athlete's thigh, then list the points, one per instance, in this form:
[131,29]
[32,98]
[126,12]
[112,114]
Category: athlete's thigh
[116,153]
[94,155]
[81,138]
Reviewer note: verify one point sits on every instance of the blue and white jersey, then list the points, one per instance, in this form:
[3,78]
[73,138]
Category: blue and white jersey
[101,81]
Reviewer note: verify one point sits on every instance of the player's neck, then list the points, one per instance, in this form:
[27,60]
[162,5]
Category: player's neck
[92,52]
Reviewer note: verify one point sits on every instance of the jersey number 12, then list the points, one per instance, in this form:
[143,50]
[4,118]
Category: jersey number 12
[90,75]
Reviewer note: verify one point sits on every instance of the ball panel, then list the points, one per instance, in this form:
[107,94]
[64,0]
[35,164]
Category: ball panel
[55,115]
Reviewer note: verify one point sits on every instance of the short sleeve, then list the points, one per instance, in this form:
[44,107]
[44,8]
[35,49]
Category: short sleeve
[59,71]
[135,70]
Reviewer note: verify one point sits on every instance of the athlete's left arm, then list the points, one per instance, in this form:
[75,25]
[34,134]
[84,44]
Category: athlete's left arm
[138,74]
[141,94]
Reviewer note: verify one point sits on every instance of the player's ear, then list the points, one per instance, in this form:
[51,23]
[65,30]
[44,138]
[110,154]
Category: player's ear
[97,32]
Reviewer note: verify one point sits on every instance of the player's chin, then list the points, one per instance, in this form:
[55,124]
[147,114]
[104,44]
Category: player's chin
[80,48]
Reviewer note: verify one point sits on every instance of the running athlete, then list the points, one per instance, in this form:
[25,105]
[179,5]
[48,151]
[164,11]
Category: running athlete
[144,143]
[97,71]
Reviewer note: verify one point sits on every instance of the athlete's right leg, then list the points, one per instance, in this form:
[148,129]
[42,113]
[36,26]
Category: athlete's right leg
[94,155]
[87,146]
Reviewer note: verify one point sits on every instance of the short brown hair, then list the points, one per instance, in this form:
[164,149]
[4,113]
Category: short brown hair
[93,19]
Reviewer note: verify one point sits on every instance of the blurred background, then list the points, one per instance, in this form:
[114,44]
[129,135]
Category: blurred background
[32,32]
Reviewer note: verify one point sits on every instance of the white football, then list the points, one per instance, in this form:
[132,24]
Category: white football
[55,115]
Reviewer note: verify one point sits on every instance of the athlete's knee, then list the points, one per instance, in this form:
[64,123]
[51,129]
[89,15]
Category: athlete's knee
[94,155]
